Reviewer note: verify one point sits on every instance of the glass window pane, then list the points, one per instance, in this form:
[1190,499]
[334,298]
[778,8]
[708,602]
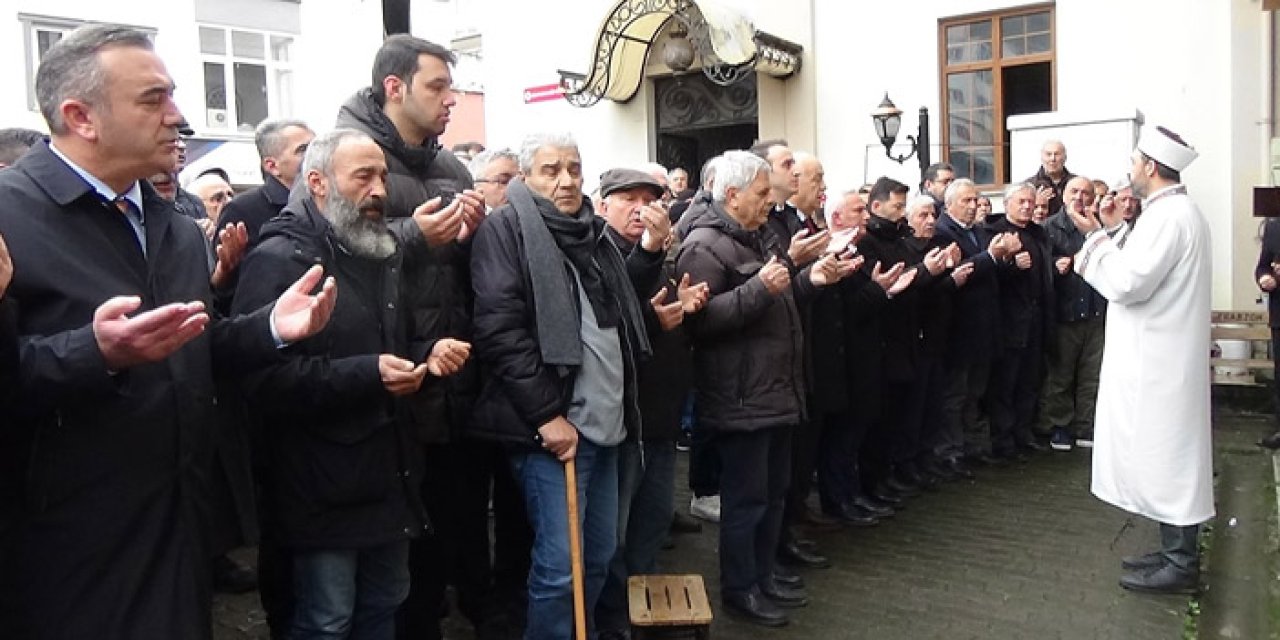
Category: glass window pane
[980,30]
[1038,22]
[284,93]
[1015,46]
[982,51]
[245,44]
[45,39]
[1014,26]
[984,166]
[982,88]
[955,54]
[251,95]
[981,125]
[281,48]
[957,34]
[959,90]
[958,127]
[1038,43]
[213,41]
[215,88]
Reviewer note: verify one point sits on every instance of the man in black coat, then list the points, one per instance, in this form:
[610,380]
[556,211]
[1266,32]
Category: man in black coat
[281,146]
[1265,274]
[647,468]
[106,459]
[406,110]
[894,437]
[974,321]
[1026,317]
[343,481]
[559,329]
[749,376]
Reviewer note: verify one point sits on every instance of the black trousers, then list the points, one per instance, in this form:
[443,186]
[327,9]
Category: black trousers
[838,480]
[876,456]
[804,459]
[1016,379]
[756,468]
[704,463]
[455,489]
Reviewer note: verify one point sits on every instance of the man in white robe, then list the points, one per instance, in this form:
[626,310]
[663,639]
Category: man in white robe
[1153,452]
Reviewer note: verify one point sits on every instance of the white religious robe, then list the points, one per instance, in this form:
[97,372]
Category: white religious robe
[1152,450]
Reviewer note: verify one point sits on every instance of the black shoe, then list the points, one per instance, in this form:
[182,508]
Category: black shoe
[887,497]
[1168,578]
[683,523]
[786,578]
[909,475]
[904,489]
[1270,442]
[796,555]
[784,596]
[815,520]
[872,507]
[1144,562]
[937,469]
[615,634]
[754,607]
[232,577]
[1031,446]
[855,517]
[957,466]
[988,460]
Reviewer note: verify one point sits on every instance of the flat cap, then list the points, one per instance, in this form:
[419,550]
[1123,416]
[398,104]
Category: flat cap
[622,179]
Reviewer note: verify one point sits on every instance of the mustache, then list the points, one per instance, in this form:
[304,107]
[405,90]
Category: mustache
[372,203]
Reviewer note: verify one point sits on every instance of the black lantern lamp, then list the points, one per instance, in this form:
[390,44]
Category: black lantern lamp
[887,119]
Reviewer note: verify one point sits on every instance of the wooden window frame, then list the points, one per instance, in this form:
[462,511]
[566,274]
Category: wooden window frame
[996,65]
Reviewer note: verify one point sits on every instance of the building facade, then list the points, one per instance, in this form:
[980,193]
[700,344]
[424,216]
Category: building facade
[998,78]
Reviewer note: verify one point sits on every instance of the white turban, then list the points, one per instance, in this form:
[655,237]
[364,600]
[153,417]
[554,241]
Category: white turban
[1158,146]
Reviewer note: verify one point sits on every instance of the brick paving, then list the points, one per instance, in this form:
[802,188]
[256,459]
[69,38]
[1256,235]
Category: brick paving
[1021,552]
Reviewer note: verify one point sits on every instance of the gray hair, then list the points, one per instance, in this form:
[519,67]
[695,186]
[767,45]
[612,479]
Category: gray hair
[269,136]
[654,168]
[954,188]
[1019,186]
[835,203]
[320,152]
[534,141]
[671,175]
[919,201]
[71,69]
[482,160]
[736,169]
[708,176]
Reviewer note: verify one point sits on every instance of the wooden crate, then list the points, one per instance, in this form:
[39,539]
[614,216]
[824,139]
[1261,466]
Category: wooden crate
[670,603]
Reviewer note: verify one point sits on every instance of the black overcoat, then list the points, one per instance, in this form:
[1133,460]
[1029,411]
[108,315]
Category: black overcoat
[104,477]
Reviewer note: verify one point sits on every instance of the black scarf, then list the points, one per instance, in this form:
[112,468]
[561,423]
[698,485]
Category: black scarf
[550,237]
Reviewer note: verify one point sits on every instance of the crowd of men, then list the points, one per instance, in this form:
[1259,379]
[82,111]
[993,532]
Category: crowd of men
[354,364]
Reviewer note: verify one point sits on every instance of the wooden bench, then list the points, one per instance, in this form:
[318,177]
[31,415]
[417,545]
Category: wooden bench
[1249,326]
[665,605]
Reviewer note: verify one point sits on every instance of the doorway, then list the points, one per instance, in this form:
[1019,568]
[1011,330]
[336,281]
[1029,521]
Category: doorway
[697,120]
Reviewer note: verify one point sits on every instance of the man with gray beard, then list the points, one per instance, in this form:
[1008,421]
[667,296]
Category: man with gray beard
[342,486]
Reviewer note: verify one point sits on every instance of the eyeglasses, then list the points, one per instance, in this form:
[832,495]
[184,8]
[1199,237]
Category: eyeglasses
[501,178]
[222,196]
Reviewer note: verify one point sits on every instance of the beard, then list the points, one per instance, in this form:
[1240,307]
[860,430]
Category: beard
[362,236]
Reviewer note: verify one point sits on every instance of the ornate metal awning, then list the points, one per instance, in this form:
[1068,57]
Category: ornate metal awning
[729,46]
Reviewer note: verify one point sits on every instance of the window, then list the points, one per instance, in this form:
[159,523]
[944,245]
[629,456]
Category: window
[993,66]
[248,76]
[41,33]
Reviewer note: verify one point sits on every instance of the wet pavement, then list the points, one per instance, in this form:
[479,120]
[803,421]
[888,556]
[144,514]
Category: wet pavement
[1023,551]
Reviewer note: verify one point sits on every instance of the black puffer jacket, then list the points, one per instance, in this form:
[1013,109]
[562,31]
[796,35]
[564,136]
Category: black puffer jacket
[748,344]
[667,376]
[1026,295]
[340,471]
[521,393]
[437,282]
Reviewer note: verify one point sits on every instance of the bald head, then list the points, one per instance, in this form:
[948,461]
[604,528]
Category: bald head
[1078,194]
[811,186]
[1053,157]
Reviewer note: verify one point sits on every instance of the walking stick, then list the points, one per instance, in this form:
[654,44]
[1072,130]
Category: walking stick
[575,550]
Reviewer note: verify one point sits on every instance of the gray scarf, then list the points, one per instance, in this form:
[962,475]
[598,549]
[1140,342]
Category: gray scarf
[603,274]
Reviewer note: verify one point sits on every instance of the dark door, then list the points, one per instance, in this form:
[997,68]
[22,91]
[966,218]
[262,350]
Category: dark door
[698,120]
